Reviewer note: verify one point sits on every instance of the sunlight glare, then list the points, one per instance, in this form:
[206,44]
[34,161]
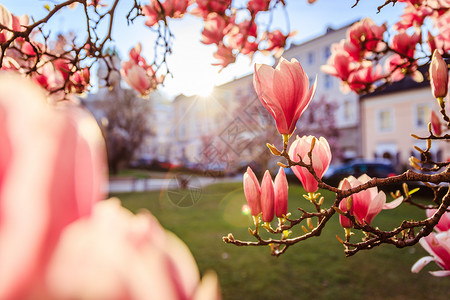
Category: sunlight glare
[205,90]
[245,209]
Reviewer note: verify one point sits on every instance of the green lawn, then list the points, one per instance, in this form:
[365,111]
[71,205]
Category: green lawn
[314,269]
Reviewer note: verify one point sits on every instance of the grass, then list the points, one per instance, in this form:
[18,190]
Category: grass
[139,173]
[316,268]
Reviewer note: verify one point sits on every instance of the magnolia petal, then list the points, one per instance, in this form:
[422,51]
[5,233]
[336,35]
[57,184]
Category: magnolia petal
[375,206]
[418,265]
[393,204]
[442,273]
[209,288]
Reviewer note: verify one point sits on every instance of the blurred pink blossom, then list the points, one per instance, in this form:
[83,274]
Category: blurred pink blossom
[115,254]
[57,241]
[52,171]
[224,55]
[255,6]
[214,29]
[405,44]
[138,74]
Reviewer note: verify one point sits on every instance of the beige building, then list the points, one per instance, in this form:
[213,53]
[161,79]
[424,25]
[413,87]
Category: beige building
[239,126]
[391,116]
[197,121]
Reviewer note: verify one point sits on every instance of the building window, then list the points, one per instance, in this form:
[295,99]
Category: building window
[385,120]
[422,115]
[311,58]
[349,111]
[327,52]
[328,81]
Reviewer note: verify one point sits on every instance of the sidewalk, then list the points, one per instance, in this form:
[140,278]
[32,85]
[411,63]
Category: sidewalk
[129,184]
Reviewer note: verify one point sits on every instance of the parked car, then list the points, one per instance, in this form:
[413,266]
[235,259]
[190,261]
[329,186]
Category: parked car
[373,168]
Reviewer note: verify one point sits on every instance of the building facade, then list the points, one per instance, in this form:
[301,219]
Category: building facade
[241,126]
[391,116]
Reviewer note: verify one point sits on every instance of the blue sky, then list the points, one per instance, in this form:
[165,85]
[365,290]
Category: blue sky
[191,61]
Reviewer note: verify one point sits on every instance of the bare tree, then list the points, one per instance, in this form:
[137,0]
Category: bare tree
[125,125]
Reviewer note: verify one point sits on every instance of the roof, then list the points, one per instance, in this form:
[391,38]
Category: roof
[406,84]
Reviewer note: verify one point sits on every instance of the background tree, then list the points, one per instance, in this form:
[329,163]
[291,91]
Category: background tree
[125,125]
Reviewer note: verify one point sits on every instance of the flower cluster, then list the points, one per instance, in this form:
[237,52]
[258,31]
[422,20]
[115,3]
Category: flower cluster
[221,26]
[138,74]
[157,11]
[51,66]
[285,93]
[270,198]
[356,59]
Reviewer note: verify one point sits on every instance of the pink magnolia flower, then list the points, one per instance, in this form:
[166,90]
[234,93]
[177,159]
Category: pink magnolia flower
[276,41]
[436,124]
[175,8]
[398,67]
[438,245]
[57,241]
[405,44]
[339,64]
[224,55]
[413,16]
[438,76]
[6,19]
[136,77]
[204,7]
[79,81]
[368,203]
[267,198]
[362,79]
[321,158]
[52,171]
[115,255]
[444,222]
[252,192]
[284,92]
[255,6]
[214,29]
[366,35]
[281,193]
[153,13]
[138,74]
[343,205]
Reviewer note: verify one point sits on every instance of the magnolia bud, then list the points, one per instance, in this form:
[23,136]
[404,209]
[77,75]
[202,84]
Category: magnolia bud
[438,76]
[267,198]
[436,124]
[281,193]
